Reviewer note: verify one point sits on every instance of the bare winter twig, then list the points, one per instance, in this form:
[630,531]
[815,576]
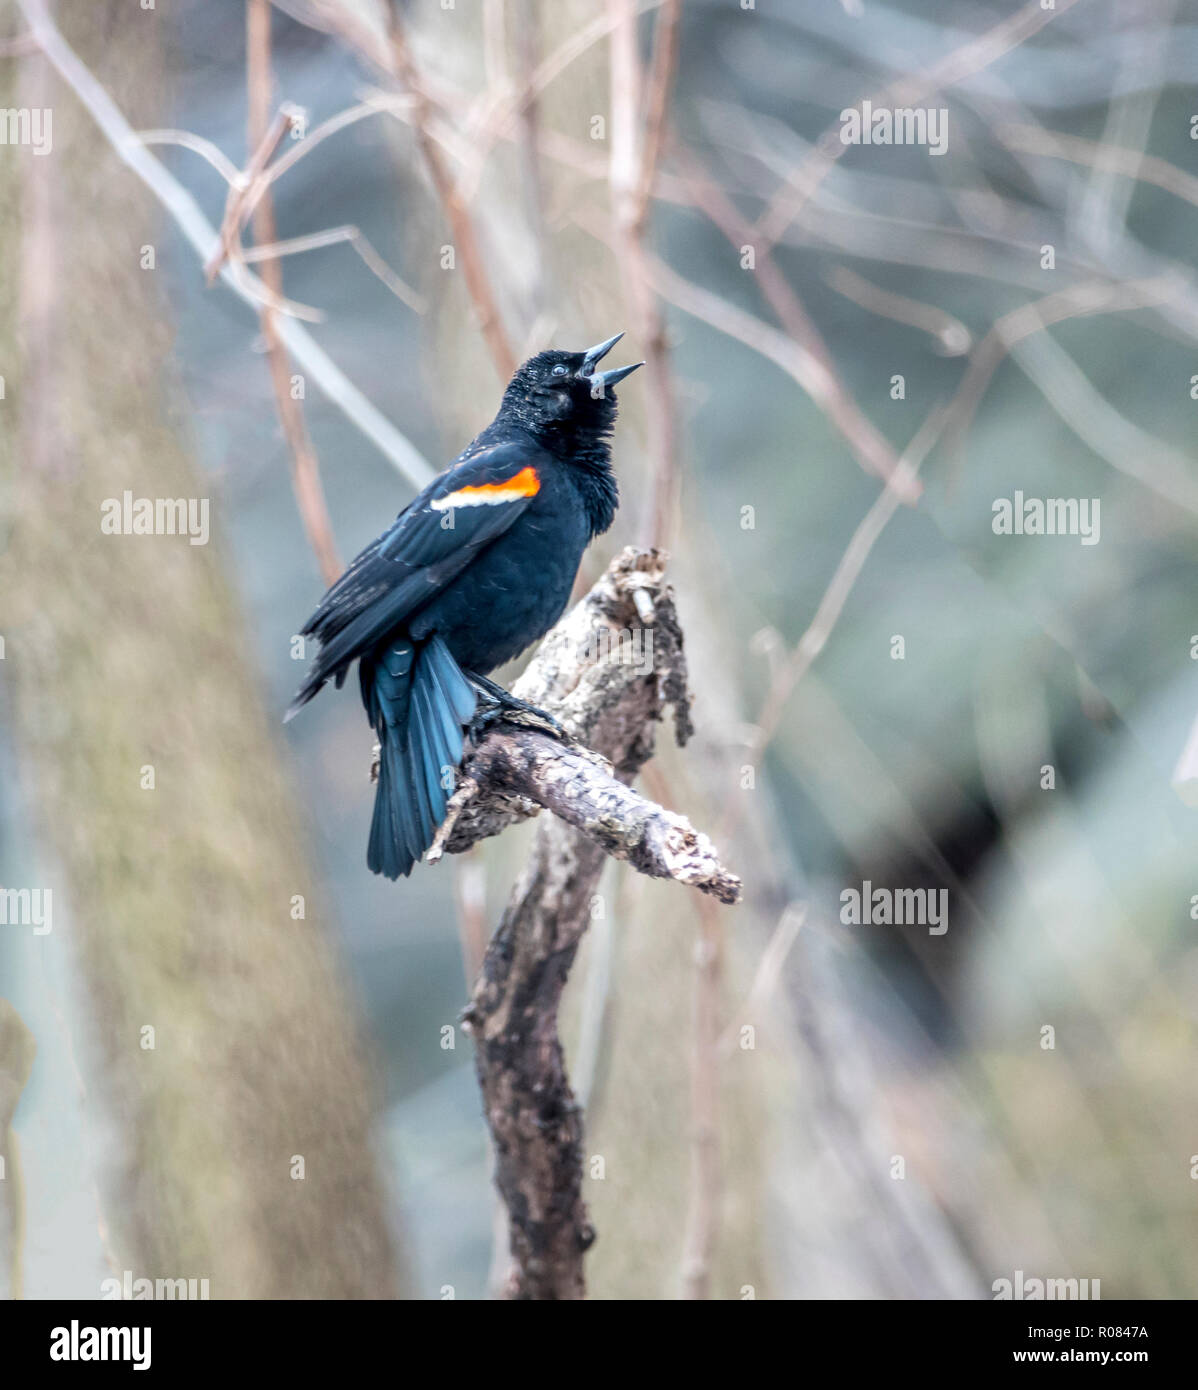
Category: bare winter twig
[457,213]
[634,156]
[305,468]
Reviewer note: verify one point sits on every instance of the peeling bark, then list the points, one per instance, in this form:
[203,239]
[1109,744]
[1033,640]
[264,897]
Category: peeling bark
[608,676]
[586,674]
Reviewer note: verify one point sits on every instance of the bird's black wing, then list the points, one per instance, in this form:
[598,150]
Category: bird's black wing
[429,544]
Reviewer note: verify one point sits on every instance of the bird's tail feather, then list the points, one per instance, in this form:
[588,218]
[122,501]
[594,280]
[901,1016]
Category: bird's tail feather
[418,701]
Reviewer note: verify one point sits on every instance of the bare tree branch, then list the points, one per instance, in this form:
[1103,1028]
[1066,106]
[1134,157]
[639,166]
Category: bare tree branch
[949,333]
[657,103]
[498,119]
[583,675]
[870,445]
[608,679]
[335,236]
[634,156]
[795,358]
[263,138]
[971,57]
[1078,301]
[581,790]
[1132,164]
[457,213]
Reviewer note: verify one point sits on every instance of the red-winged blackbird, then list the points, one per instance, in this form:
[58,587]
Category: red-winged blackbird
[479,566]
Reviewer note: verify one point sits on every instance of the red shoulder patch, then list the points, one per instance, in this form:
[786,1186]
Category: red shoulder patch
[523,484]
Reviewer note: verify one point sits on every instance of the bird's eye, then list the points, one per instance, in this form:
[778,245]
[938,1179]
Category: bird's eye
[560,369]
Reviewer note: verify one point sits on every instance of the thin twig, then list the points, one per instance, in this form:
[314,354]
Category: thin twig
[1079,301]
[949,332]
[527,36]
[843,579]
[497,121]
[954,67]
[660,85]
[335,236]
[787,674]
[1133,164]
[470,899]
[1124,445]
[871,450]
[630,171]
[188,140]
[305,467]
[792,315]
[1185,774]
[454,206]
[768,973]
[266,141]
[347,22]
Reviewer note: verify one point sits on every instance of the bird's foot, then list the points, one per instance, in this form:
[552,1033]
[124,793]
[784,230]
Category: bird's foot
[498,706]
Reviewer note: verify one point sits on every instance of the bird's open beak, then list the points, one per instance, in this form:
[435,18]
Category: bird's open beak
[600,381]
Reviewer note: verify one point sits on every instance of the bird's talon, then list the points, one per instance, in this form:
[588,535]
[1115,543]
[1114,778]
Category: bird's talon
[519,716]
[535,719]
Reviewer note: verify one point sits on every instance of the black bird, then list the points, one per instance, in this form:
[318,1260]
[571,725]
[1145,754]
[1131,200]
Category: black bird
[476,568]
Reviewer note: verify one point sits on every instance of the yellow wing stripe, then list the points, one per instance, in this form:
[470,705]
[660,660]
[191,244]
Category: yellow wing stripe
[524,484]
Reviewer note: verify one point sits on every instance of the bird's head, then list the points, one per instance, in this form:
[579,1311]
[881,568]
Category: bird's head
[560,392]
